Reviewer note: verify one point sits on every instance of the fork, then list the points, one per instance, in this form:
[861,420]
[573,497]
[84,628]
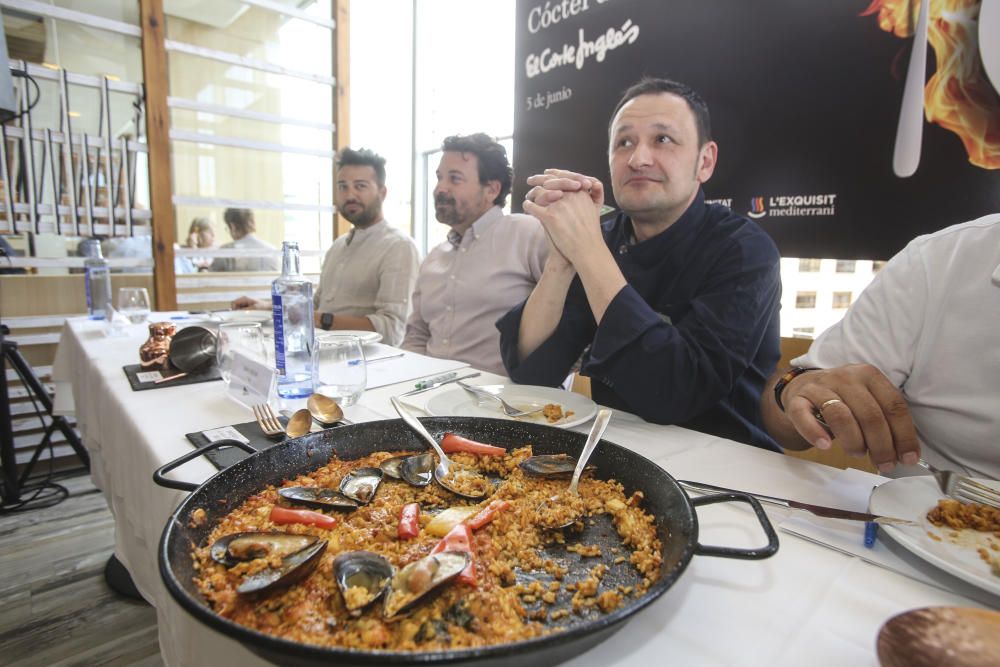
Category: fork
[961,487]
[508,409]
[269,424]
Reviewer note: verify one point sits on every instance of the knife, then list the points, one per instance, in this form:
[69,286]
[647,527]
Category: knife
[818,510]
[439,384]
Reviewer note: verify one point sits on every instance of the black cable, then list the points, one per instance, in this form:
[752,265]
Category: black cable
[32,103]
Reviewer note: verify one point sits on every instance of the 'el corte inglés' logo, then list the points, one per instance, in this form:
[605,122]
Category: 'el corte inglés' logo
[793,206]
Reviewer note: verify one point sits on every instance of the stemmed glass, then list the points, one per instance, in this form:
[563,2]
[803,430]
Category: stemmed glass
[133,302]
[247,337]
[340,367]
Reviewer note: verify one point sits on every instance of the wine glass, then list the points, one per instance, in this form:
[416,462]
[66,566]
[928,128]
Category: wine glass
[133,302]
[340,368]
[246,337]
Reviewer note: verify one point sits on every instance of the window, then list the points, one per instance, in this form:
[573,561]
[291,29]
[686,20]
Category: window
[846,265]
[803,332]
[808,265]
[842,299]
[805,299]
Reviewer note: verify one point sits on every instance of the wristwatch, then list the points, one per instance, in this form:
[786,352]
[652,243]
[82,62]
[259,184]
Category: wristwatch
[326,321]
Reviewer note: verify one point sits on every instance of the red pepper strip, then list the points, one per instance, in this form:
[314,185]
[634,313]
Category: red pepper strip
[409,521]
[460,539]
[283,515]
[487,514]
[452,443]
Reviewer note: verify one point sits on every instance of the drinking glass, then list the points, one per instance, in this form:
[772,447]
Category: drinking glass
[133,302]
[246,337]
[340,367]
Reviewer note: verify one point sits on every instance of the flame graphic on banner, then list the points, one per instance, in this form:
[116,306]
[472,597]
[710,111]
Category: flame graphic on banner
[958,97]
[757,204]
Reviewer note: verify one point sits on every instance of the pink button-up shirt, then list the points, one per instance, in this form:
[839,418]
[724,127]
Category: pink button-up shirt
[462,290]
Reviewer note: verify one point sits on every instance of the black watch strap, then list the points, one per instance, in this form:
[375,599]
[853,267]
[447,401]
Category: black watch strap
[326,321]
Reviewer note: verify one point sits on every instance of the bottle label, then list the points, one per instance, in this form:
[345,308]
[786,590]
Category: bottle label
[277,313]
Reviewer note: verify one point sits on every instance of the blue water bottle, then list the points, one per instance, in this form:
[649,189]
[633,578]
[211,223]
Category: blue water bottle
[97,279]
[292,307]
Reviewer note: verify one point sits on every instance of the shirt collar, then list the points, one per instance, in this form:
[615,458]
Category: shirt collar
[366,232]
[478,228]
[671,242]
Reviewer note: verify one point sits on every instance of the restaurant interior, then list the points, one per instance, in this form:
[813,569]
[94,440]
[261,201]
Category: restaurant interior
[133,129]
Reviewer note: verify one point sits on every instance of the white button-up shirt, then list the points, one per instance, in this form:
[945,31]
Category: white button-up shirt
[463,289]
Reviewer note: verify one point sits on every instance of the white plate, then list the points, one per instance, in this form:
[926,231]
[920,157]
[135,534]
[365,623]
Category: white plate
[367,337]
[911,498]
[458,402]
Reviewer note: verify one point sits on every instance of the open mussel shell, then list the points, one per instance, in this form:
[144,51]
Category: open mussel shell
[415,582]
[239,547]
[417,470]
[390,467]
[319,498]
[362,577]
[294,568]
[550,465]
[361,484]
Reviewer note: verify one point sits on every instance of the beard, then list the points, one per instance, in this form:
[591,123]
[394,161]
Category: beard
[446,210]
[364,215]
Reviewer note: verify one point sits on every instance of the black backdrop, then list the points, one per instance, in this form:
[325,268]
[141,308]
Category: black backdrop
[804,95]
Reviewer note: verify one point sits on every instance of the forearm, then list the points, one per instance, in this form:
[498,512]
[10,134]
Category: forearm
[602,279]
[544,307]
[351,323]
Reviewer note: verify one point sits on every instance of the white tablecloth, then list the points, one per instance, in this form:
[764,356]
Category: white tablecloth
[807,605]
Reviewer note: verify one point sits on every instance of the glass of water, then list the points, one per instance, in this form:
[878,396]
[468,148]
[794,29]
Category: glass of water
[246,337]
[340,367]
[133,302]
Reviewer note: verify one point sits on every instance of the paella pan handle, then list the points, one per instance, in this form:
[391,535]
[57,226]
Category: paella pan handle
[159,476]
[731,552]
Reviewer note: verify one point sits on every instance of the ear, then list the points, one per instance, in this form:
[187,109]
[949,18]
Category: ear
[707,157]
[382,192]
[492,189]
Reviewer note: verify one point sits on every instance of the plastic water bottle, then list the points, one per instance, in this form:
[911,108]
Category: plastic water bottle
[292,307]
[97,279]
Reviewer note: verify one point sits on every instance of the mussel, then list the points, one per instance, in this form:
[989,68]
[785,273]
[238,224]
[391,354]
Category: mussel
[360,484]
[390,467]
[294,568]
[318,498]
[240,547]
[362,577]
[416,581]
[414,469]
[550,465]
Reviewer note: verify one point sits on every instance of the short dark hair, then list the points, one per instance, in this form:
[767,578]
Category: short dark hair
[241,219]
[363,158]
[493,163]
[653,86]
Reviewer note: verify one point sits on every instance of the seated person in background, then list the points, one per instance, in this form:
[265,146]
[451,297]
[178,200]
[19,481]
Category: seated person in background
[489,262]
[200,235]
[913,369]
[242,228]
[368,273]
[674,303]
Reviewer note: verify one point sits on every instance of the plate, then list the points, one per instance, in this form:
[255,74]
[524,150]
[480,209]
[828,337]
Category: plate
[235,316]
[911,498]
[367,337]
[457,402]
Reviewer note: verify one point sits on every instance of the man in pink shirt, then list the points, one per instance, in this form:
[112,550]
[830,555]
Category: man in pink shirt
[489,263]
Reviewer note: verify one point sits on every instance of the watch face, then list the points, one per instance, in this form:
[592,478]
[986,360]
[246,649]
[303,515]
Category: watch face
[326,320]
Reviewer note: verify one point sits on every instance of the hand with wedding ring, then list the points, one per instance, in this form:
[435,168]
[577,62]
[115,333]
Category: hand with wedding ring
[858,406]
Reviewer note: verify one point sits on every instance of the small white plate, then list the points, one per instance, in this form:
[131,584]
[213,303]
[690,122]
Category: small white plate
[912,498]
[236,316]
[367,337]
[458,402]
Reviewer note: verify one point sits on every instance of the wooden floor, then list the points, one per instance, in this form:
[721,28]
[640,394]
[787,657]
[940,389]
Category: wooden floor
[56,610]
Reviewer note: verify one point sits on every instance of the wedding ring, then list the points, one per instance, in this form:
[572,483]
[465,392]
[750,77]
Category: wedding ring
[832,401]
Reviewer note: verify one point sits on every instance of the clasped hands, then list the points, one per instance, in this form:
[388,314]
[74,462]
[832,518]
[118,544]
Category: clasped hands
[568,206]
[860,407]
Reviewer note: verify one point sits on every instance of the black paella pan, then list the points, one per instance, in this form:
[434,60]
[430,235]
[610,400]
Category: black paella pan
[677,527]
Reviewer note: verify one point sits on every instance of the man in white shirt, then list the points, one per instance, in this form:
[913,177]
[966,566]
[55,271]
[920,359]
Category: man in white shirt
[489,263]
[912,368]
[243,228]
[368,274]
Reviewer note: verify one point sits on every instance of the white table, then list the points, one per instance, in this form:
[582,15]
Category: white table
[807,605]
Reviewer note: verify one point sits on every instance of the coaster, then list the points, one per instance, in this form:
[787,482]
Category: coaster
[141,380]
[227,456]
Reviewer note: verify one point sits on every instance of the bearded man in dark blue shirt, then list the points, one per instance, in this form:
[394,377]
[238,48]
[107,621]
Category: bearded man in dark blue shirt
[674,303]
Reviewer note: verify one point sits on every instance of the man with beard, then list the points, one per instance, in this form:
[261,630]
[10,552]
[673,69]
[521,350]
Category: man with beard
[674,303]
[368,273]
[490,261]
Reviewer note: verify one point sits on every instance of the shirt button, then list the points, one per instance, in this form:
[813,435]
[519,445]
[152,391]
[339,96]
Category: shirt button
[461,249]
[451,277]
[449,308]
[445,341]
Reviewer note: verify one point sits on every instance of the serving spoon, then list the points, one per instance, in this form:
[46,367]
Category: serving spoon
[548,519]
[445,465]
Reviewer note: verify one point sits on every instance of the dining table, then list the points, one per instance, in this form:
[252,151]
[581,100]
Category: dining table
[820,600]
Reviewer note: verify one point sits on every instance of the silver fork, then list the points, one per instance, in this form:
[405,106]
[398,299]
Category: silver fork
[268,422]
[960,487]
[508,409]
